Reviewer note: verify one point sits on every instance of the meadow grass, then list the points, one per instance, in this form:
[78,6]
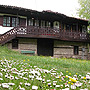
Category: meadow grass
[69,67]
[62,64]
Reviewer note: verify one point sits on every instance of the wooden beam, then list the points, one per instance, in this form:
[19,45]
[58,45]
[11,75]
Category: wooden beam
[71,28]
[64,27]
[77,27]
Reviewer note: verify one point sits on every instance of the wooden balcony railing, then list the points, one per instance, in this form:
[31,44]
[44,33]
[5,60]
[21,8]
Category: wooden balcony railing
[41,32]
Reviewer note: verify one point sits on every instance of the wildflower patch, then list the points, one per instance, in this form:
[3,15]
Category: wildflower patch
[19,75]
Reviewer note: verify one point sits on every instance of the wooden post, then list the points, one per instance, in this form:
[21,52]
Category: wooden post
[26,22]
[17,20]
[71,28]
[77,27]
[60,26]
[64,27]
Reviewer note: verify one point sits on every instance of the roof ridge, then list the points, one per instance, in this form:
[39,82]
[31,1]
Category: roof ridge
[16,7]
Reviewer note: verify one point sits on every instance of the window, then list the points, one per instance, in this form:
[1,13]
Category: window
[74,27]
[6,21]
[15,44]
[68,27]
[36,22]
[84,28]
[14,22]
[76,50]
[10,21]
[56,24]
[48,24]
[30,23]
[42,23]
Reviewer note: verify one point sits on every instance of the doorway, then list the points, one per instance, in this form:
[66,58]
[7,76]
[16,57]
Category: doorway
[45,47]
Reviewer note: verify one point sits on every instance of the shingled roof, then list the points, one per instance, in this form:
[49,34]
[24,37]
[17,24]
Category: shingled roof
[44,14]
[15,7]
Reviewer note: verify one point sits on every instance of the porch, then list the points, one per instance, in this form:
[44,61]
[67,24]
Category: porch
[54,33]
[41,32]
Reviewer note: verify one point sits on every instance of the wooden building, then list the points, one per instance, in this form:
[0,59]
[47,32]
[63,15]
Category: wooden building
[43,33]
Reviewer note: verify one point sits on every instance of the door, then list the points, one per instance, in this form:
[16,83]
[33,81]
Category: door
[45,47]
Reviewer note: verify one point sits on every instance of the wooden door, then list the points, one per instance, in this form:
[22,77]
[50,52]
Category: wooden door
[45,47]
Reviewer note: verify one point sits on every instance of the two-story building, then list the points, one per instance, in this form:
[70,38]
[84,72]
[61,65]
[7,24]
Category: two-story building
[43,33]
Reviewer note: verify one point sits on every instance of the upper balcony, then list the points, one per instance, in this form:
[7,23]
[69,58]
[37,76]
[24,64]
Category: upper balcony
[53,33]
[41,32]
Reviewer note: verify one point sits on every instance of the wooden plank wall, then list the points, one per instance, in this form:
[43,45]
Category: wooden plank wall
[1,20]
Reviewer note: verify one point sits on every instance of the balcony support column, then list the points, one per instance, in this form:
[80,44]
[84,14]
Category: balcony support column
[71,28]
[17,20]
[26,21]
[77,27]
[60,26]
[64,27]
[51,24]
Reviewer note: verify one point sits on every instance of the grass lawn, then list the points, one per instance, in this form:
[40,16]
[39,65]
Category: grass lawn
[45,73]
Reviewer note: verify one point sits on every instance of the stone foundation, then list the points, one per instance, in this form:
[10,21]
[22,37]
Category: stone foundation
[66,49]
[61,48]
[25,44]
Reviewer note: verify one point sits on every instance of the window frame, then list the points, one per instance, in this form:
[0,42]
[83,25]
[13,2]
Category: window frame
[15,22]
[6,23]
[56,24]
[68,27]
[48,24]
[42,23]
[74,27]
[30,22]
[11,23]
[76,50]
[36,22]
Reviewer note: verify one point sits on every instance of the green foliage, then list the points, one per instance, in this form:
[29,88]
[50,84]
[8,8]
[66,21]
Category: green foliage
[84,10]
[62,64]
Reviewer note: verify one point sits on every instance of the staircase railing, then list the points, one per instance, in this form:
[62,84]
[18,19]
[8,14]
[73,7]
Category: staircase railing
[8,35]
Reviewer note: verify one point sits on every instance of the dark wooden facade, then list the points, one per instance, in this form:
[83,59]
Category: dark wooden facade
[44,26]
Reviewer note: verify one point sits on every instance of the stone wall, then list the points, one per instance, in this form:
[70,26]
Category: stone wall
[60,49]
[25,44]
[66,49]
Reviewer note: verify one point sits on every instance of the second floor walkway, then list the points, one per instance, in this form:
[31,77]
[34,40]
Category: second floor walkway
[41,32]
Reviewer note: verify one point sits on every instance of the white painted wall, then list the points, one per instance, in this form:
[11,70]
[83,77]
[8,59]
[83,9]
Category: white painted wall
[4,29]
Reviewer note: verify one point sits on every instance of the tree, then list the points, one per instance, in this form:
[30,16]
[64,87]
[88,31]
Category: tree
[84,10]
